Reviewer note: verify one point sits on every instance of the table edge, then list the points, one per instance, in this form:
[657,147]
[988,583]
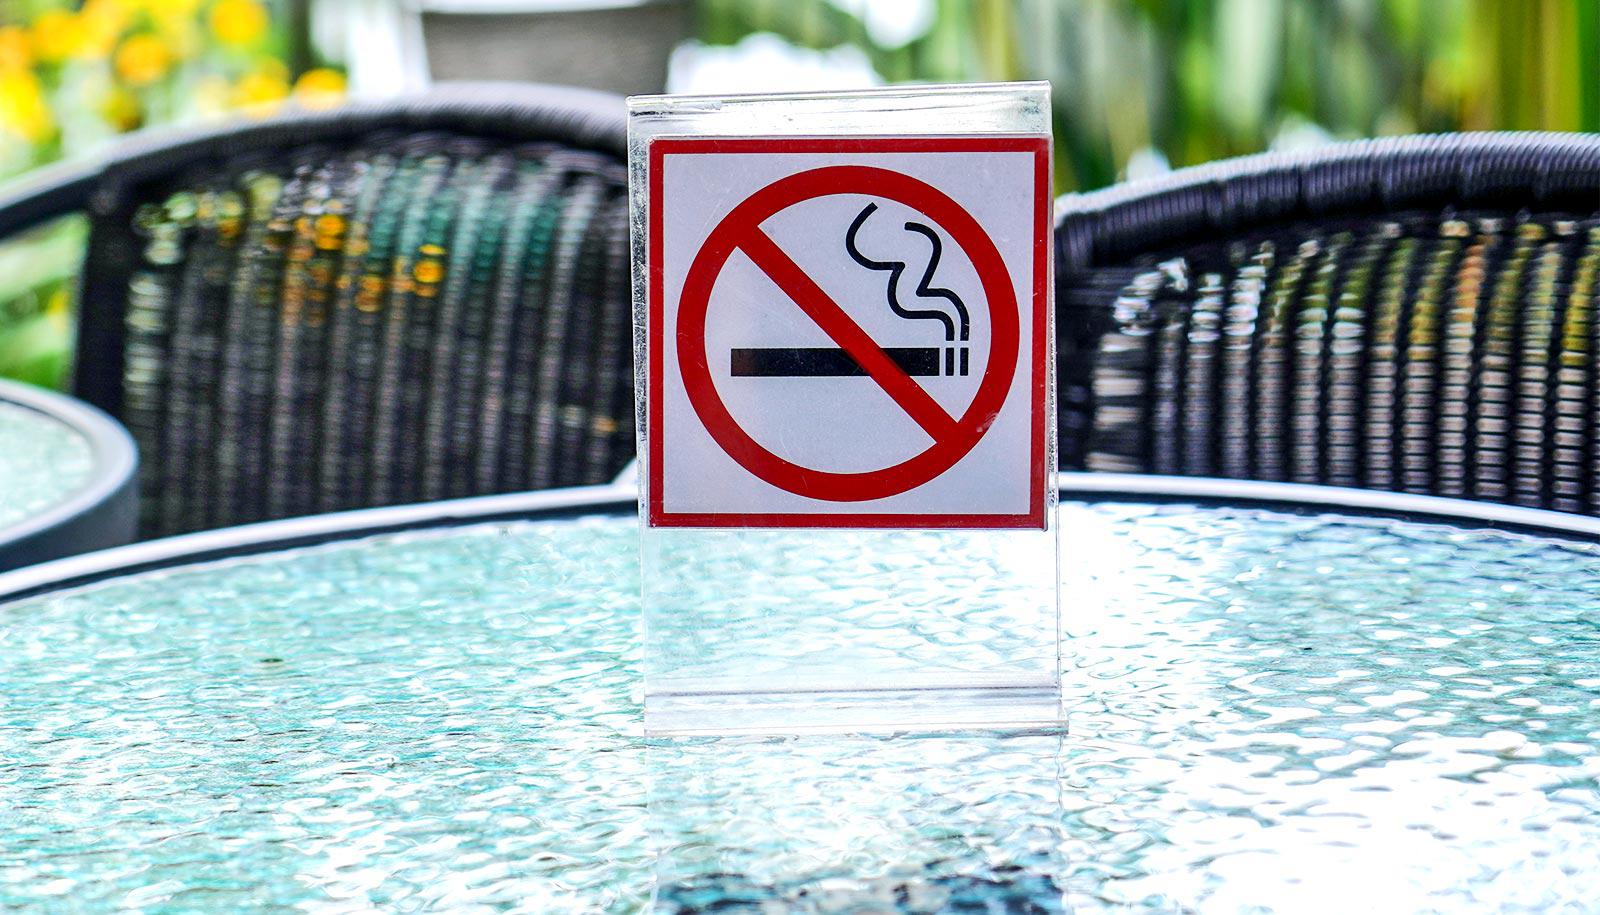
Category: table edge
[288,533]
[103,513]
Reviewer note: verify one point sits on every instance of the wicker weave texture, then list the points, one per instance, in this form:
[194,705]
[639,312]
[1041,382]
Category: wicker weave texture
[1442,352]
[405,318]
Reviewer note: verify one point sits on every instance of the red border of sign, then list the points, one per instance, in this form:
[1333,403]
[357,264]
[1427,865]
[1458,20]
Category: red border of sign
[664,146]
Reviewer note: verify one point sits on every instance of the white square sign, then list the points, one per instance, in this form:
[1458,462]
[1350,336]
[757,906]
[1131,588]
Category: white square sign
[848,332]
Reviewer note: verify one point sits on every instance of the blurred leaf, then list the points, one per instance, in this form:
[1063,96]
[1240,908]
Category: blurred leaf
[34,260]
[38,280]
[76,73]
[36,349]
[1194,80]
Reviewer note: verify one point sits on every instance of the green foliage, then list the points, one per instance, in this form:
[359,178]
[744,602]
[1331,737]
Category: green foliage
[38,275]
[75,74]
[1196,80]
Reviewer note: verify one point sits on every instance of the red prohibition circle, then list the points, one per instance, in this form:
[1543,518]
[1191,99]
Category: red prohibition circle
[741,227]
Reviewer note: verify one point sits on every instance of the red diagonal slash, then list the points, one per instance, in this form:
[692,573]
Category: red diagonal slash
[819,307]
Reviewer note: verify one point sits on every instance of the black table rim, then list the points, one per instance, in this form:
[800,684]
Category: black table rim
[104,513]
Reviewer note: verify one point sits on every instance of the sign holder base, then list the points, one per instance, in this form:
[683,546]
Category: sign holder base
[700,709]
[849,609]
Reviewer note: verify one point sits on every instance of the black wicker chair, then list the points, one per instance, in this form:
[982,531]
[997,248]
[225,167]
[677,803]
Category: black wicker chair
[378,304]
[1416,314]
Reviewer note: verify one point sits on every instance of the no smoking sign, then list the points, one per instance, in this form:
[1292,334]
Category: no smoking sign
[848,332]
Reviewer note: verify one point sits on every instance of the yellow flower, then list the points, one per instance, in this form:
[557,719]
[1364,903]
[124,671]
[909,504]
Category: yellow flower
[265,88]
[102,22]
[238,22]
[319,88]
[119,11]
[15,55]
[143,59]
[181,32]
[59,305]
[172,8]
[57,35]
[23,109]
[121,109]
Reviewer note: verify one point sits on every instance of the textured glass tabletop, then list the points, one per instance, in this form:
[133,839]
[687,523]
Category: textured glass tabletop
[43,462]
[1266,712]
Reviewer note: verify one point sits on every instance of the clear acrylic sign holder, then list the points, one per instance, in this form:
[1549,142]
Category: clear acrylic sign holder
[788,630]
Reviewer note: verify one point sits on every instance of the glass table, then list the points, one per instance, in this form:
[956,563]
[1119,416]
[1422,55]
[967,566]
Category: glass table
[66,477]
[1269,708]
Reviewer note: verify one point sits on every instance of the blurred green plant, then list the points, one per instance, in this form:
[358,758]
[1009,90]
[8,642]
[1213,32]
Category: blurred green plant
[36,295]
[74,75]
[1188,81]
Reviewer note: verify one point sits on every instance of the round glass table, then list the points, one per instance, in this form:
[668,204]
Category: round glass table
[1269,708]
[66,477]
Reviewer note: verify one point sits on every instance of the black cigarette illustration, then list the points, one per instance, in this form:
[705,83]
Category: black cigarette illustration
[829,362]
[916,361]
